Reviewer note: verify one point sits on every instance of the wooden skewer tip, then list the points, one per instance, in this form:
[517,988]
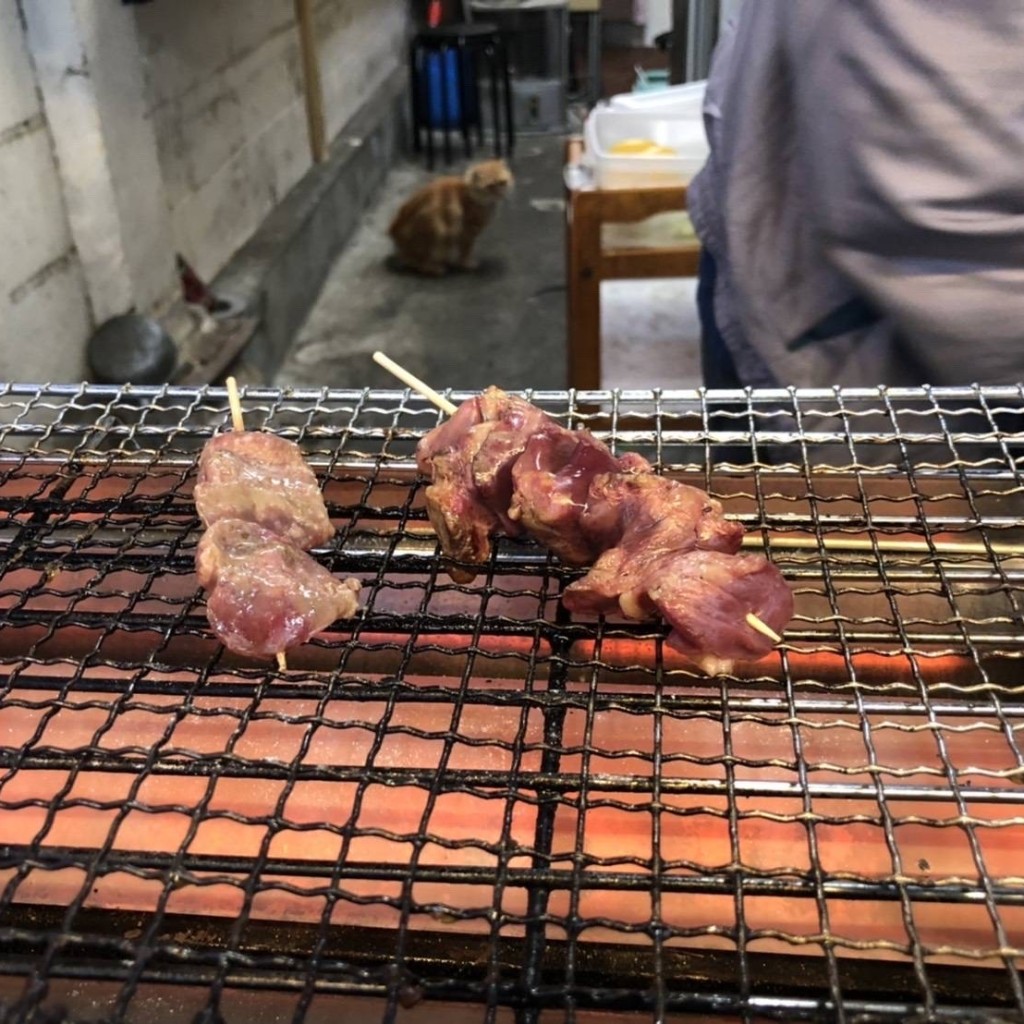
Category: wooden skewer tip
[282,661]
[415,383]
[762,627]
[235,403]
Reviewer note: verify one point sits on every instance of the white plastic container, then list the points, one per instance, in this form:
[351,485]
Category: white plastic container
[677,100]
[607,126]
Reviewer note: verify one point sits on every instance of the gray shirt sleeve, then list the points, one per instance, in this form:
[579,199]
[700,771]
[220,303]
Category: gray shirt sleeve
[916,154]
[870,151]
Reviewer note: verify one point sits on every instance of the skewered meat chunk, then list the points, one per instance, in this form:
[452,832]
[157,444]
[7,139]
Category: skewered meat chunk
[702,588]
[705,599]
[551,491]
[657,546]
[479,476]
[491,406]
[469,459]
[265,595]
[704,596]
[456,508]
[648,513]
[262,478]
[643,523]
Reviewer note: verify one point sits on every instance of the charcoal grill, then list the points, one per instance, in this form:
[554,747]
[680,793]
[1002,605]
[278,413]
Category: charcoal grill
[467,802]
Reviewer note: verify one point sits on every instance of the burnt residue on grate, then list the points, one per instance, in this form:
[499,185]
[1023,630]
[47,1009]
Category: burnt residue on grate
[466,797]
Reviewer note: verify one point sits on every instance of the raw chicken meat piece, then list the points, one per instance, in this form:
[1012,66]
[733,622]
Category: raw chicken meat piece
[456,508]
[671,552]
[266,595]
[262,478]
[705,597]
[551,490]
[651,515]
[480,479]
[643,523]
[469,460]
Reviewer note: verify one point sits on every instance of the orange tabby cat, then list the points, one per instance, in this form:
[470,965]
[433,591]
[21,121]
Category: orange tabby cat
[436,227]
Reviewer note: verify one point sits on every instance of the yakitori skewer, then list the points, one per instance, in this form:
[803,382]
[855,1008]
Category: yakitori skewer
[413,382]
[238,423]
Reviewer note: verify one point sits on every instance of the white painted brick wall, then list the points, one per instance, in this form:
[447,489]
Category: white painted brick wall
[361,42]
[18,99]
[44,331]
[35,229]
[224,88]
[44,313]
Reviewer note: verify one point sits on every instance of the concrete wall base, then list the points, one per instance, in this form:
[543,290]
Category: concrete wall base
[278,273]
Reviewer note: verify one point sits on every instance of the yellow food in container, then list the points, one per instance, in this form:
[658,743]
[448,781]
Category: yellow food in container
[641,147]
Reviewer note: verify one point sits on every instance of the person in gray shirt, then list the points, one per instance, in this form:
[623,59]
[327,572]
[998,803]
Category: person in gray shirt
[862,210]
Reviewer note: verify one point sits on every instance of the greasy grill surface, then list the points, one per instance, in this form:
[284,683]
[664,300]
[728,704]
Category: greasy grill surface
[465,796]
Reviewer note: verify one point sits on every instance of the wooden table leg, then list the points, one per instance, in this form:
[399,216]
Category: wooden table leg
[583,242]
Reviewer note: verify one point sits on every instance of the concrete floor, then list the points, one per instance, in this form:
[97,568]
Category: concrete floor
[505,323]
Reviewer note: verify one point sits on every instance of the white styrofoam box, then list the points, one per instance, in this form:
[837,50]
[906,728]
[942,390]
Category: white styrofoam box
[606,126]
[679,100]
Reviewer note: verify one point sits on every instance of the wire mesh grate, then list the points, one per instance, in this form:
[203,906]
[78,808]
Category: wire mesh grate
[466,798]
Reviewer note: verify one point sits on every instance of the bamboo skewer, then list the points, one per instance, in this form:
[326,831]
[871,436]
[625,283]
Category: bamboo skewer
[415,383]
[890,544]
[238,423]
[447,407]
[839,544]
[235,404]
[762,627]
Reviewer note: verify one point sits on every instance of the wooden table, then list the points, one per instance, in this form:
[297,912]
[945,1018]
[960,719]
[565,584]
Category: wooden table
[588,263]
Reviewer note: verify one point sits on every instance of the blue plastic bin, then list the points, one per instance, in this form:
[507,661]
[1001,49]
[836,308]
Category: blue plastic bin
[437,116]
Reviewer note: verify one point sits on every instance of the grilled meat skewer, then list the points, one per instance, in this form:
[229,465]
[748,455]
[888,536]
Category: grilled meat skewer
[657,546]
[263,509]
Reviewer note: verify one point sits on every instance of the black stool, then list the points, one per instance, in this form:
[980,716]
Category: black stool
[463,49]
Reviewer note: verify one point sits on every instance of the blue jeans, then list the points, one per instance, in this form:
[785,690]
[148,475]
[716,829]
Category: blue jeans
[716,362]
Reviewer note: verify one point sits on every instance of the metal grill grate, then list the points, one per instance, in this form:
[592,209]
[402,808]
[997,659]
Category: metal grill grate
[467,797]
